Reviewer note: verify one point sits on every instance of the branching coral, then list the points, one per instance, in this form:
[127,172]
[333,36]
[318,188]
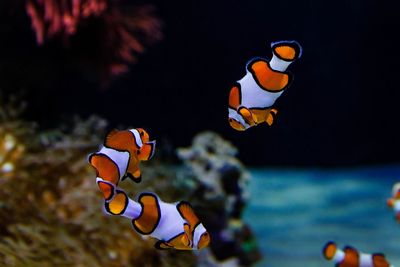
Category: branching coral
[120,31]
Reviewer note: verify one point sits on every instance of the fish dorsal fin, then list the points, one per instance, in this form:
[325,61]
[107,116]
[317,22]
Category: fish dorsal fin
[149,216]
[351,257]
[186,237]
[186,211]
[112,133]
[379,260]
[110,138]
[121,141]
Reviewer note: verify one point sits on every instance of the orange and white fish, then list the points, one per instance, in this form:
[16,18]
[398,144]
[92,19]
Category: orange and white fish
[174,225]
[251,98]
[119,158]
[350,257]
[394,201]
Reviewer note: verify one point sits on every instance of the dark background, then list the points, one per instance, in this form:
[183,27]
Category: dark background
[341,110]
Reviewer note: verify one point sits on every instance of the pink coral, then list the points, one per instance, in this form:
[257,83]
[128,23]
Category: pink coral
[126,32]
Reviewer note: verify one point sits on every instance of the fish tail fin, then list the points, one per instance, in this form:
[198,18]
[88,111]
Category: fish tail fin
[379,259]
[287,50]
[284,53]
[118,204]
[329,250]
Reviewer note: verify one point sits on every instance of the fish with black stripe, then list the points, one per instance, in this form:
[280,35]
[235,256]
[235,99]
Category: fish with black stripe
[119,159]
[394,201]
[251,99]
[174,225]
[350,257]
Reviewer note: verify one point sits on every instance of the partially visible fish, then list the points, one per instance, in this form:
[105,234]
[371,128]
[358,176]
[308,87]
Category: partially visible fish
[394,201]
[350,257]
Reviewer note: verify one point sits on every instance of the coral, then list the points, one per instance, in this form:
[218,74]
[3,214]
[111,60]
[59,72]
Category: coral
[50,209]
[218,192]
[120,33]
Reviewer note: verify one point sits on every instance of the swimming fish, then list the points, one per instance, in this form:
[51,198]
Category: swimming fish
[394,201]
[251,99]
[350,257]
[119,158]
[176,226]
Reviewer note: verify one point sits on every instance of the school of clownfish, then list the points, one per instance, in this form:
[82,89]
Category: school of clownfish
[175,225]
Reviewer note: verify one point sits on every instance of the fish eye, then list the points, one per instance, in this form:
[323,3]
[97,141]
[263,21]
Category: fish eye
[141,133]
[138,152]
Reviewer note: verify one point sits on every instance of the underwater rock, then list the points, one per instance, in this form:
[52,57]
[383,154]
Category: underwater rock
[218,192]
[49,204]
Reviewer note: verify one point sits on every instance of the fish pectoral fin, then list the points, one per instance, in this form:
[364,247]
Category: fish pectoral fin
[271,116]
[247,115]
[107,188]
[147,151]
[136,176]
[185,240]
[162,245]
[186,237]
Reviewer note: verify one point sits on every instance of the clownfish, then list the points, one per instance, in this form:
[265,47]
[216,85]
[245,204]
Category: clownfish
[350,257]
[251,98]
[394,201]
[119,158]
[176,226]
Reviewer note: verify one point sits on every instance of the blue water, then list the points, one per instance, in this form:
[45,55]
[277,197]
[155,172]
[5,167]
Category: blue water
[295,212]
